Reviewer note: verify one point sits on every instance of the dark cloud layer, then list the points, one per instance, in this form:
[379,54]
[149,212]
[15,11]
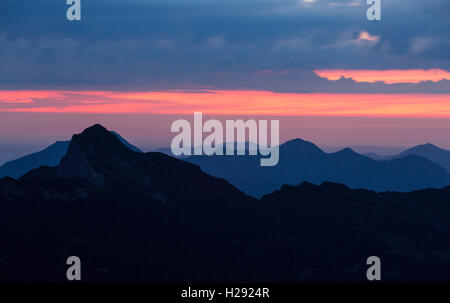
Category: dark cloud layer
[254,44]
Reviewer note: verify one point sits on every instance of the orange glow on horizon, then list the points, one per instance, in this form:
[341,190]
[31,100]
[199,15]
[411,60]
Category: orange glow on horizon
[386,76]
[222,102]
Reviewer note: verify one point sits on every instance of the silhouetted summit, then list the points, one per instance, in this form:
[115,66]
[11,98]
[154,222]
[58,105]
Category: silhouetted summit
[301,145]
[103,160]
[50,156]
[97,140]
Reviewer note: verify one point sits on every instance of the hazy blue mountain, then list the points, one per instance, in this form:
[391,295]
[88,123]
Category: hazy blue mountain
[367,149]
[14,150]
[50,156]
[377,156]
[168,150]
[303,161]
[431,152]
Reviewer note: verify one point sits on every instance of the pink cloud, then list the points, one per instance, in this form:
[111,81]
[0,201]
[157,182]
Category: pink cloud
[365,36]
[386,76]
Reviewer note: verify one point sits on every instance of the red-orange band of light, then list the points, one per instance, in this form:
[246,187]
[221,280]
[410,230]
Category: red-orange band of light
[222,102]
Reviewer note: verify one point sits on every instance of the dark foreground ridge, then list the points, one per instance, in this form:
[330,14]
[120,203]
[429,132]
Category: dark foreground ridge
[131,216]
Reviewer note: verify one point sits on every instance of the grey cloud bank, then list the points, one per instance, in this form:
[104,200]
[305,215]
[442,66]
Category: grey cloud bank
[252,44]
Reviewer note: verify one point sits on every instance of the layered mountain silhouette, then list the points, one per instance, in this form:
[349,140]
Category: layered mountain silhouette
[433,153]
[137,217]
[50,156]
[300,161]
[303,161]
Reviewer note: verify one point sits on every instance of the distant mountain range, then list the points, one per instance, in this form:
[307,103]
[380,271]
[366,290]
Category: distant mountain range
[303,161]
[367,149]
[148,217]
[50,156]
[433,153]
[420,167]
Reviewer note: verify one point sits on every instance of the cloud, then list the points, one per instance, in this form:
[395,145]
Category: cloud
[172,44]
[346,4]
[365,36]
[387,76]
[421,44]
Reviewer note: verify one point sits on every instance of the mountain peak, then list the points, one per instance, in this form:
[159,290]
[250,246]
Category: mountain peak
[97,140]
[94,144]
[297,141]
[431,146]
[347,150]
[428,147]
[349,153]
[300,144]
[96,128]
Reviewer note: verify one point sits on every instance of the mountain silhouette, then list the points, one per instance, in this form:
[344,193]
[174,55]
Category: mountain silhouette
[303,161]
[49,156]
[433,153]
[104,161]
[148,217]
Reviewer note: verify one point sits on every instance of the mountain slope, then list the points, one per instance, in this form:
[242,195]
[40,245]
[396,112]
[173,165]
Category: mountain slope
[303,161]
[127,144]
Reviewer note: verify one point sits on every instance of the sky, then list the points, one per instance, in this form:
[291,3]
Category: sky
[316,65]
